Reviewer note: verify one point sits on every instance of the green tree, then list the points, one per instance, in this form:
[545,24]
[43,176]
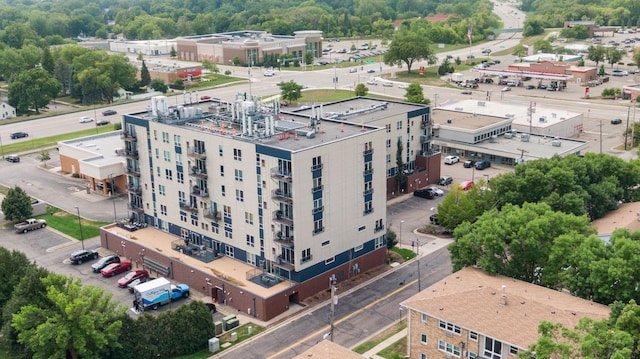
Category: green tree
[308,57]
[542,46]
[145,77]
[579,32]
[520,51]
[159,85]
[47,61]
[13,266]
[173,53]
[409,47]
[532,27]
[392,239]
[44,156]
[361,90]
[414,94]
[290,91]
[80,322]
[33,89]
[11,63]
[614,55]
[596,54]
[16,205]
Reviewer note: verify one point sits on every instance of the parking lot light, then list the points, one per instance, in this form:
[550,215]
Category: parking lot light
[80,226]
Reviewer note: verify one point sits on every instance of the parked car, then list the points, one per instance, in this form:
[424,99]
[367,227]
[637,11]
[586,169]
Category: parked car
[403,85]
[85,119]
[13,158]
[372,82]
[83,255]
[18,134]
[468,163]
[466,92]
[353,70]
[445,180]
[30,224]
[102,123]
[131,276]
[387,84]
[506,89]
[105,261]
[436,191]
[269,73]
[449,160]
[466,185]
[115,268]
[480,165]
[423,193]
[530,87]
[616,121]
[109,112]
[138,281]
[370,71]
[205,98]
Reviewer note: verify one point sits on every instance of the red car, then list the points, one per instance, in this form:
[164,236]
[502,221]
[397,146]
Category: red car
[131,276]
[205,98]
[115,268]
[466,185]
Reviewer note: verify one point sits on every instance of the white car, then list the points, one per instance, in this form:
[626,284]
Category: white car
[372,82]
[449,160]
[506,89]
[269,73]
[436,191]
[85,119]
[403,85]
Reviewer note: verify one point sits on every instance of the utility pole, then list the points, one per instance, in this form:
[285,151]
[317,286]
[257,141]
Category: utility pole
[626,133]
[419,277]
[334,301]
[530,116]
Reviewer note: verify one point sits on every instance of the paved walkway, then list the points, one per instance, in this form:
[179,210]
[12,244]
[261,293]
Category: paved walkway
[373,352]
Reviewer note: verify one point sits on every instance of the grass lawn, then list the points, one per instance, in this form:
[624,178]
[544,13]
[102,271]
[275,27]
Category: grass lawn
[380,337]
[405,253]
[67,223]
[397,350]
[243,334]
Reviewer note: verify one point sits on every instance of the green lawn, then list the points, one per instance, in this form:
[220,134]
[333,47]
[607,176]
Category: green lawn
[67,223]
[405,253]
[243,334]
[380,337]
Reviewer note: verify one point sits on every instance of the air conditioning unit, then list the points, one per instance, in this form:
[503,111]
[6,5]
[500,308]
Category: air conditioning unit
[524,137]
[508,135]
[556,143]
[493,138]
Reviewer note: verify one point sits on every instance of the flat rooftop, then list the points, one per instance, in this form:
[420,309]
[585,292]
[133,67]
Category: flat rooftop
[100,148]
[477,113]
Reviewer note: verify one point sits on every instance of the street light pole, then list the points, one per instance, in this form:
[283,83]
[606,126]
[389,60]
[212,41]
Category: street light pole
[332,284]
[80,226]
[401,222]
[113,195]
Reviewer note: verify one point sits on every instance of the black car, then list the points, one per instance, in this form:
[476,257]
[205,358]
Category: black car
[109,112]
[18,134]
[616,121]
[102,123]
[83,255]
[469,163]
[424,193]
[13,158]
[445,180]
[104,261]
[480,165]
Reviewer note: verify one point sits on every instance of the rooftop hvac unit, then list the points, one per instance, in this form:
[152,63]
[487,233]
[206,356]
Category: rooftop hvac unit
[481,103]
[508,135]
[524,137]
[556,143]
[493,138]
[459,108]
[509,115]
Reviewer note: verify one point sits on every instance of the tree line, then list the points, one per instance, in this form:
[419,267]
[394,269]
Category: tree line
[46,315]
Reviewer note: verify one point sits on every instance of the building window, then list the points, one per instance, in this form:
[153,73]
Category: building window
[248,218]
[220,152]
[399,125]
[167,156]
[155,135]
[239,195]
[221,171]
[448,348]
[215,228]
[163,210]
[326,243]
[237,154]
[238,175]
[165,137]
[251,241]
[226,210]
[388,143]
[306,255]
[316,163]
[388,128]
[182,197]
[388,158]
[183,216]
[472,355]
[228,250]
[423,318]
[358,248]
[329,260]
[157,153]
[423,338]
[179,159]
[368,207]
[379,242]
[317,184]
[513,350]
[450,327]
[317,226]
[473,336]
[161,189]
[176,141]
[423,356]
[492,348]
[228,231]
[194,221]
[180,177]
[223,190]
[168,174]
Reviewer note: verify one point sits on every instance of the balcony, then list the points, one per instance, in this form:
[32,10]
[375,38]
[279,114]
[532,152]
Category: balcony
[132,171]
[425,139]
[379,228]
[367,192]
[306,259]
[131,154]
[317,210]
[367,211]
[135,207]
[188,207]
[212,215]
[134,189]
[317,189]
[368,172]
[367,152]
[128,136]
[200,192]
[283,239]
[317,167]
[197,153]
[284,263]
[279,217]
[281,173]
[281,196]
[199,172]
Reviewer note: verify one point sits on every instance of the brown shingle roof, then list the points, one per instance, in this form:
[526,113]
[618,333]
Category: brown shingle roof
[328,350]
[472,298]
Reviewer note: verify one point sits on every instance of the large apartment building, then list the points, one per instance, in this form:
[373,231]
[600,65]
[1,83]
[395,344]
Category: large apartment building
[298,197]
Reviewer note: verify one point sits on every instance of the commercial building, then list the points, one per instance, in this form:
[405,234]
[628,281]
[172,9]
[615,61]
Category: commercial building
[144,47]
[505,133]
[250,47]
[293,199]
[473,314]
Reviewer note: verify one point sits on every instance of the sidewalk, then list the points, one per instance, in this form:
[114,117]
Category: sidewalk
[373,352]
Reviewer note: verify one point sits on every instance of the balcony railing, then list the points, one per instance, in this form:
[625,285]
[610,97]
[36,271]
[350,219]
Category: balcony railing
[136,207]
[367,211]
[200,192]
[283,239]
[378,228]
[280,173]
[213,215]
[368,191]
[191,207]
[367,152]
[128,136]
[316,167]
[306,259]
[193,153]
[317,210]
[134,189]
[199,172]
[280,217]
[132,171]
[131,154]
[285,263]
[367,172]
[317,189]
[282,196]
